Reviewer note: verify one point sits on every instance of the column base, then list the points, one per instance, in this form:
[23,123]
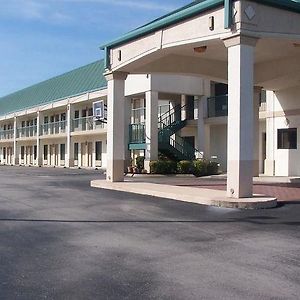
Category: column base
[115,170]
[147,165]
[240,179]
[39,162]
[255,168]
[269,167]
[70,163]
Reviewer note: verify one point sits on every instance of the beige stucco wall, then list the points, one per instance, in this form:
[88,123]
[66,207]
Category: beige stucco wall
[284,112]
[218,144]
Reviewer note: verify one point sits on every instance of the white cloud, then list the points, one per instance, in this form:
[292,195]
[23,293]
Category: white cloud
[146,5]
[33,10]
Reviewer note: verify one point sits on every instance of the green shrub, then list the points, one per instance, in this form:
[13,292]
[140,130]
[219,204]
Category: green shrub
[185,167]
[163,167]
[200,168]
[140,162]
[212,168]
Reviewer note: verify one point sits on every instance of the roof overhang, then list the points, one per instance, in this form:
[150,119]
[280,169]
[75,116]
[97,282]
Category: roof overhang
[189,12]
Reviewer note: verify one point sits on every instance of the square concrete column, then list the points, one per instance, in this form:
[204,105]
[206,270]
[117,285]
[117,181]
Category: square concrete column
[183,105]
[240,116]
[115,126]
[69,160]
[80,150]
[203,130]
[151,152]
[256,99]
[270,136]
[127,116]
[15,147]
[39,151]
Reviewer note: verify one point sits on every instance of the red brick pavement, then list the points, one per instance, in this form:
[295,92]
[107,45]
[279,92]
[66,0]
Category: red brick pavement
[282,191]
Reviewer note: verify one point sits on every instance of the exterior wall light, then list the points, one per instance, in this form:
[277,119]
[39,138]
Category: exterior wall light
[200,49]
[211,23]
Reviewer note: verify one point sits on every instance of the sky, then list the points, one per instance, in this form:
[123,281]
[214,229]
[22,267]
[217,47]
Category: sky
[40,39]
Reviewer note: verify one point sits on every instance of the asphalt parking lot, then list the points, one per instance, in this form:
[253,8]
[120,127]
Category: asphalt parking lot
[61,239]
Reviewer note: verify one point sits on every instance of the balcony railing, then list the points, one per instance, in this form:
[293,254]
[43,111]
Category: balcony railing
[53,128]
[137,133]
[28,131]
[6,134]
[138,115]
[217,106]
[86,123]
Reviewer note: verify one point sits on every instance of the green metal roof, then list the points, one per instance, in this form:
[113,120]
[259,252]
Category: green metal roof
[189,11]
[79,81]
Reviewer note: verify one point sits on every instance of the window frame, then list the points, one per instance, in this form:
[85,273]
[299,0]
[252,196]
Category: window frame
[282,140]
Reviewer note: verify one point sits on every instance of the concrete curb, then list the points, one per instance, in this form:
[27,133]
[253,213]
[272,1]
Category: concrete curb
[187,194]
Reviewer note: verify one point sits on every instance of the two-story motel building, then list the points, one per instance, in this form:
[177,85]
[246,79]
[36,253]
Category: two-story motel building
[153,80]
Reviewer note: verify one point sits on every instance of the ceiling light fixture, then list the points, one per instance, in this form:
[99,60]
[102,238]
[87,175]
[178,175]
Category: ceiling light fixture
[201,49]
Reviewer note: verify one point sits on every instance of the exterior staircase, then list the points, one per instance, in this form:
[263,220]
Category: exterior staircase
[170,143]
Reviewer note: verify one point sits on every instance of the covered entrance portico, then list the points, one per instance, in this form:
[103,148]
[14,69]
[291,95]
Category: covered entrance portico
[247,44]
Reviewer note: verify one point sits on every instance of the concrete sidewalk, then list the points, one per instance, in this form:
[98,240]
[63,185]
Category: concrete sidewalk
[187,194]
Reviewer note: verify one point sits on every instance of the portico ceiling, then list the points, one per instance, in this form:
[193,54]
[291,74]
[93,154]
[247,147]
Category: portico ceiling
[277,62]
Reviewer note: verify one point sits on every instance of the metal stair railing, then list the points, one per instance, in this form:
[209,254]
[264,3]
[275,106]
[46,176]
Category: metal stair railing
[168,126]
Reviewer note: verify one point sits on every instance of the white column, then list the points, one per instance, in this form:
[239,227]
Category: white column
[183,104]
[69,160]
[151,152]
[240,116]
[15,150]
[256,98]
[203,130]
[270,136]
[115,126]
[80,154]
[127,113]
[39,151]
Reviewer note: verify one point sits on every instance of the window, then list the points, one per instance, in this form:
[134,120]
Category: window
[75,151]
[263,96]
[4,153]
[287,138]
[62,151]
[63,124]
[189,140]
[76,117]
[46,120]
[35,152]
[45,152]
[22,152]
[98,150]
